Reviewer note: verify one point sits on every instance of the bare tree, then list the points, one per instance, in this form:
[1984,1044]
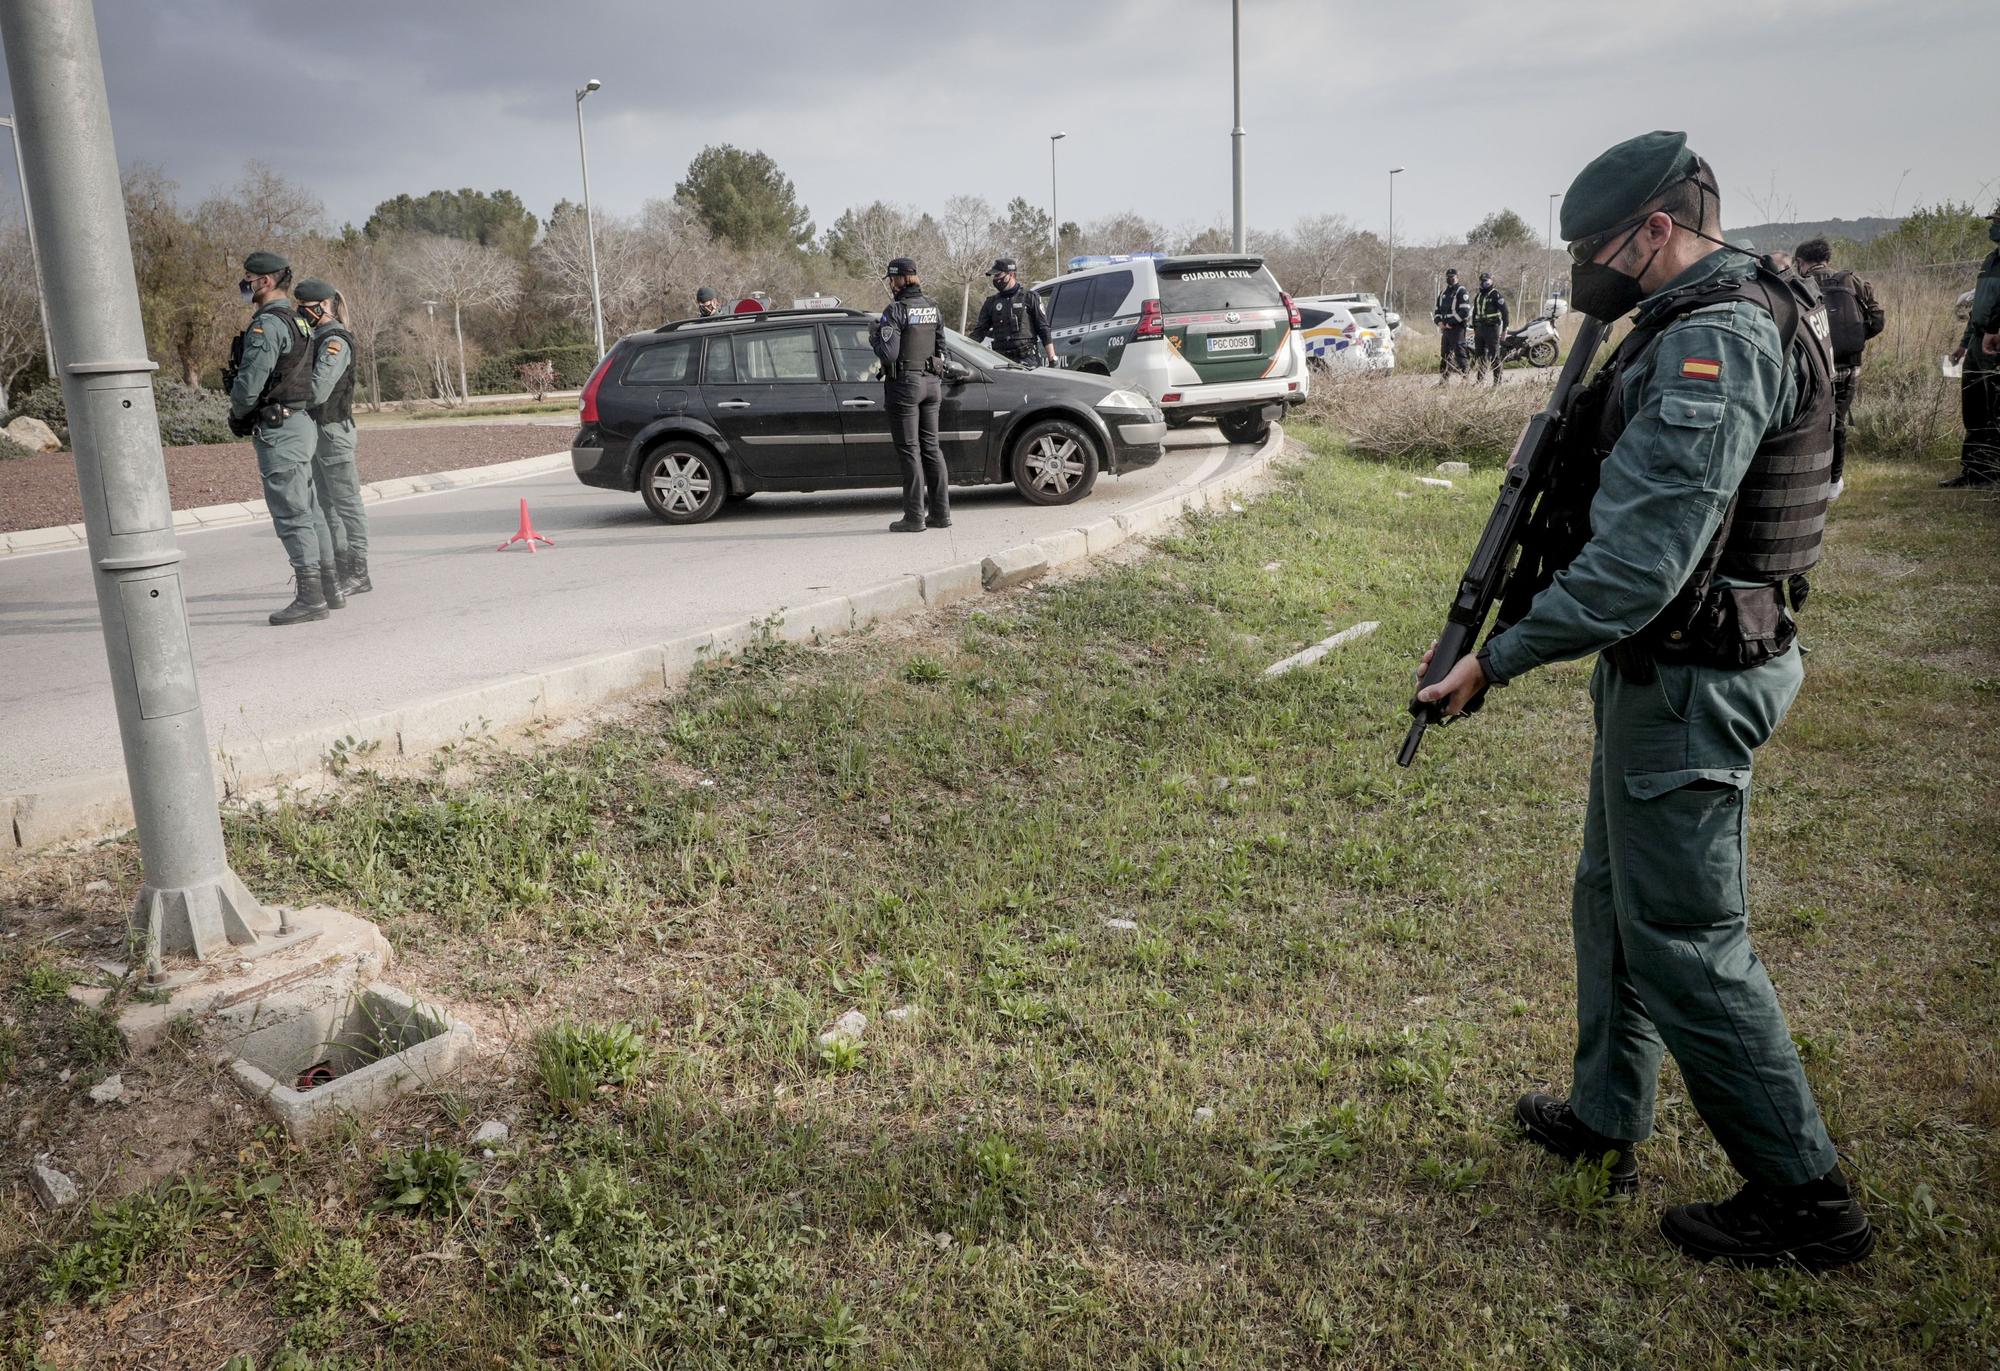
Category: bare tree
[971,242]
[375,295]
[20,310]
[1323,248]
[458,274]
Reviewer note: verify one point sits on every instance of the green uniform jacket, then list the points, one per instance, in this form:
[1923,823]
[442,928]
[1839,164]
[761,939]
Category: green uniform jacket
[1665,485]
[330,362]
[1985,317]
[266,339]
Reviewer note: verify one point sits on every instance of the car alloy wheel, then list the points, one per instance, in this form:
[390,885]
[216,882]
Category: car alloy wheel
[1054,463]
[682,484]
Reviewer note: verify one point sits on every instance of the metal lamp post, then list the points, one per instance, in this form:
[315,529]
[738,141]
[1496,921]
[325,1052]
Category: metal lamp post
[1236,129]
[1549,246]
[589,226]
[34,253]
[1389,290]
[190,901]
[1055,219]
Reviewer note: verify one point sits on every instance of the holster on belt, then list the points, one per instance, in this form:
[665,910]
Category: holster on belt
[1733,627]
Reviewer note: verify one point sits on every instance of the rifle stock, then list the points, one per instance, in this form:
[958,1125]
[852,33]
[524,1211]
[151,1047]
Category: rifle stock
[1497,554]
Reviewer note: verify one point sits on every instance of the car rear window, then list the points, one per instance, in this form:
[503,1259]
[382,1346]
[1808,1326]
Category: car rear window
[1217,287]
[853,358]
[1107,295]
[775,354]
[663,364]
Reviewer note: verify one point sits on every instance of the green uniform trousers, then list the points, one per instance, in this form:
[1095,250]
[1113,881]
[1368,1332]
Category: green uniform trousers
[285,461]
[337,481]
[1663,956]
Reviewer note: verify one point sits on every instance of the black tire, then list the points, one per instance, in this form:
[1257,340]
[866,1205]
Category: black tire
[1244,425]
[1543,354]
[1054,462]
[683,483]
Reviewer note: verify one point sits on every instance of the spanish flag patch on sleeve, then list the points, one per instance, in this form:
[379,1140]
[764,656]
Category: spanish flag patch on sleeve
[1702,368]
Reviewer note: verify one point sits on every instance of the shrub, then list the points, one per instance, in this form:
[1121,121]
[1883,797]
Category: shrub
[1412,419]
[191,414]
[11,450]
[44,402]
[575,1061]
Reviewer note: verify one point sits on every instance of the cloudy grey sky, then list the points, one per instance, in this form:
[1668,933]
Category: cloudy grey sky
[1808,108]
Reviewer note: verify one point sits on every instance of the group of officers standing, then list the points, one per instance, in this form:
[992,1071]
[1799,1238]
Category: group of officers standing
[1484,312]
[291,392]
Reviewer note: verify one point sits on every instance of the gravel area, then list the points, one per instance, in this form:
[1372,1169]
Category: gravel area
[39,492]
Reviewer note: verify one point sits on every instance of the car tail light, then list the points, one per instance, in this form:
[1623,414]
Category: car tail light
[1172,397]
[1151,325]
[588,413]
[1290,308]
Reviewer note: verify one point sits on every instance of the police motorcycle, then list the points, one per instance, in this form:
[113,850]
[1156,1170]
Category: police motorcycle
[1535,342]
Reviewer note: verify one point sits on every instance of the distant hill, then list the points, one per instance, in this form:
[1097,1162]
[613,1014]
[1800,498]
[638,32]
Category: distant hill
[1769,237]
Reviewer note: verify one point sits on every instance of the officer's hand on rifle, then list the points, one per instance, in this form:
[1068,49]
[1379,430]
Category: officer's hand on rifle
[1459,686]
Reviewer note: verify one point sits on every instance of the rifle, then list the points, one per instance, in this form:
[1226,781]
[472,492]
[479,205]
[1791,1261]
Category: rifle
[1529,536]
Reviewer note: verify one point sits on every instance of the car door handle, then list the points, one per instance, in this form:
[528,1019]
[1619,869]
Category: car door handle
[857,404]
[732,404]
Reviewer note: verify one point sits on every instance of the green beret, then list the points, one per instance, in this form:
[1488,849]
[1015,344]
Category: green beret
[265,263]
[1621,181]
[311,289]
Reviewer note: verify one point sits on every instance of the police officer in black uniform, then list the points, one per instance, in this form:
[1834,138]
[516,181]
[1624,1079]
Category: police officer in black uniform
[1014,319]
[1489,322]
[1454,308]
[909,340]
[706,305]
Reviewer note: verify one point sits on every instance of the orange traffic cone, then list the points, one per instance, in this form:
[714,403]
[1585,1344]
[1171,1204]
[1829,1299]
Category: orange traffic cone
[526,533]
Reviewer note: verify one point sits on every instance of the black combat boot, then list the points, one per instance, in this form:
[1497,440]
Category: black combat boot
[1552,1124]
[307,605]
[329,584]
[907,524]
[354,575]
[1967,479]
[1817,1225]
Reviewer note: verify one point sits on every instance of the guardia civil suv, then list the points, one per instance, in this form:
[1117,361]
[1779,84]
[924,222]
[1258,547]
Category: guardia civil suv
[1202,335]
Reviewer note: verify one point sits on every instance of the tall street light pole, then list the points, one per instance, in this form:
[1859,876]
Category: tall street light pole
[1389,290]
[1549,247]
[1236,130]
[1055,219]
[589,225]
[190,900]
[34,253]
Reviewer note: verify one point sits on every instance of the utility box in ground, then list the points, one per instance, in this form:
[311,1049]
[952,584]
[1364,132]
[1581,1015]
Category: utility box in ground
[317,1057]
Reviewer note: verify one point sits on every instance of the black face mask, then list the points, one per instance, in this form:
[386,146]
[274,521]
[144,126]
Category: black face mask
[1993,231]
[1604,292]
[245,289]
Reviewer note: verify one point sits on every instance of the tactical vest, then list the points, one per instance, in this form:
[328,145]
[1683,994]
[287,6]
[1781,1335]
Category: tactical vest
[290,382]
[1447,306]
[1014,321]
[1486,307]
[1771,532]
[918,315]
[339,406]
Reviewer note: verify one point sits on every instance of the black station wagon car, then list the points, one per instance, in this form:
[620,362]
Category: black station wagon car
[705,411]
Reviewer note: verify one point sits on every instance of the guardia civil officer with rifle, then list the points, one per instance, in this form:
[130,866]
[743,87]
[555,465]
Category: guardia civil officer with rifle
[1702,454]
[270,387]
[336,474]
[1852,318]
[908,339]
[1014,319]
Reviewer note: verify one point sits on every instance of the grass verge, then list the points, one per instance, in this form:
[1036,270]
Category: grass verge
[1214,1016]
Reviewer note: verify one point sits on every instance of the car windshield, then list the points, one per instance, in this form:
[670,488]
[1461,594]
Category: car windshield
[1222,286]
[978,354]
[1367,318]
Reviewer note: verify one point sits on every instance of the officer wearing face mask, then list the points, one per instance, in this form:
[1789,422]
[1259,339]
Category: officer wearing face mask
[706,305]
[270,387]
[908,338]
[1013,318]
[1489,321]
[336,474]
[1979,385]
[1704,451]
[1453,309]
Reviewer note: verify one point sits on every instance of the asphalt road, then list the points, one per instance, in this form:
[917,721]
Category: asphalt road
[450,613]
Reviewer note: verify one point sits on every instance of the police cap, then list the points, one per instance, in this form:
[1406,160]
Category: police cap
[1451,271]
[704,295]
[901,266]
[1623,181]
[1006,264]
[264,262]
[312,290]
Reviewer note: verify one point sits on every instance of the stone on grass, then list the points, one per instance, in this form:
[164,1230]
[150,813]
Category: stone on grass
[1322,647]
[97,887]
[1122,925]
[1204,1114]
[32,434]
[109,1090]
[489,1134]
[1435,482]
[900,1013]
[846,1029]
[51,1187]
[1235,508]
[1454,468]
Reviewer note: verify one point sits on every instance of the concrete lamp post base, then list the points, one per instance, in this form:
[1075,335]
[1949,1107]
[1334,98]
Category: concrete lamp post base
[217,918]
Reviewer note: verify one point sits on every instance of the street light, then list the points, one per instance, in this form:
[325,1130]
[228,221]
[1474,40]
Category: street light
[1055,219]
[1236,130]
[1389,290]
[34,253]
[1549,246]
[589,227]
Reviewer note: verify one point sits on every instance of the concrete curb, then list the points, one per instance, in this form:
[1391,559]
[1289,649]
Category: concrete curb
[92,806]
[254,511]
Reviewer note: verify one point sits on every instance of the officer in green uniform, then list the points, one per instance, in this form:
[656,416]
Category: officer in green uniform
[336,475]
[1979,387]
[270,386]
[1710,432]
